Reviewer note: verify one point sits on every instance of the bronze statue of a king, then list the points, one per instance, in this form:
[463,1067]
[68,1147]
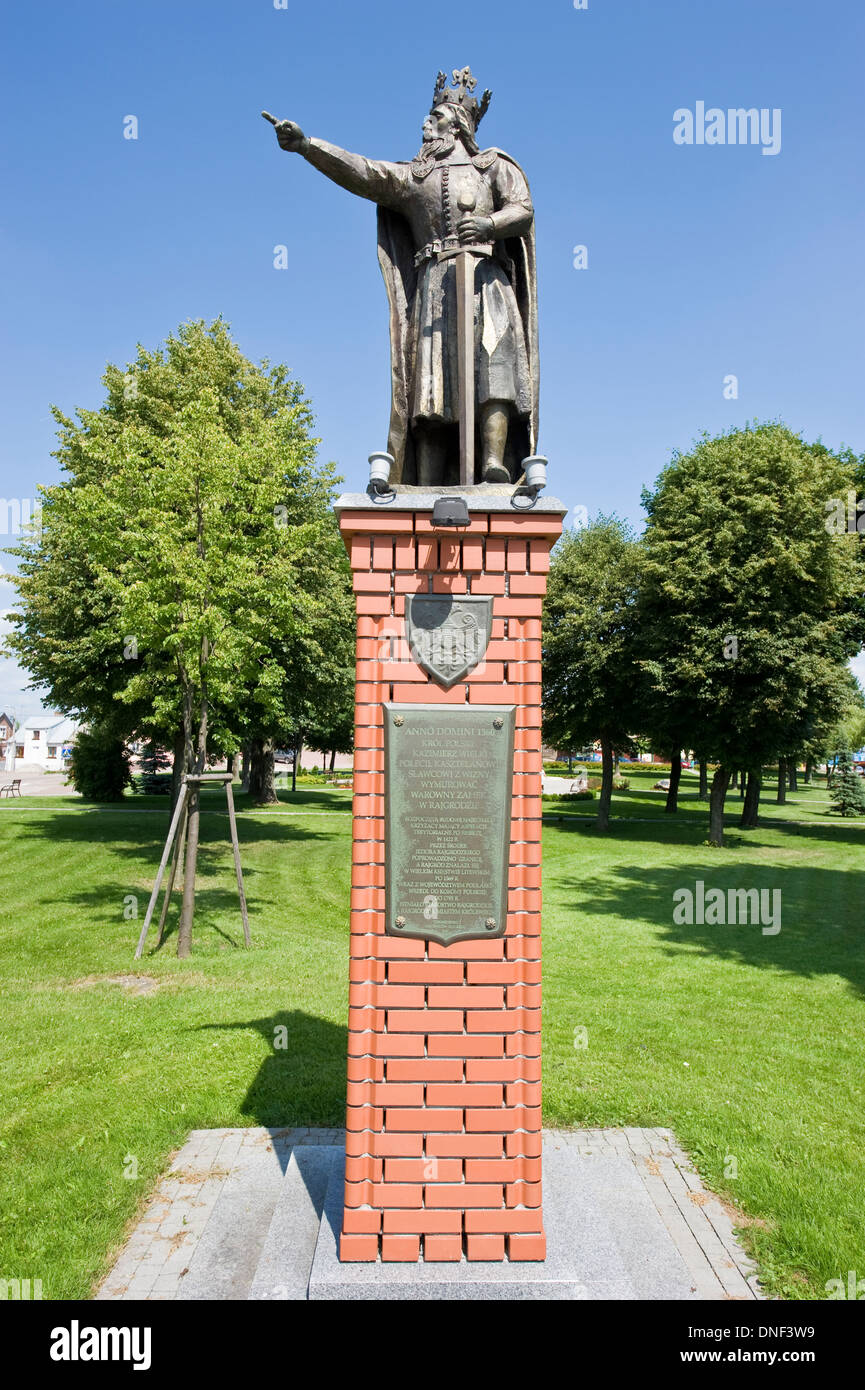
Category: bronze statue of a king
[457,250]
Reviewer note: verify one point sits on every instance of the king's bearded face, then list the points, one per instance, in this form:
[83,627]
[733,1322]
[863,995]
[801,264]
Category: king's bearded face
[439,131]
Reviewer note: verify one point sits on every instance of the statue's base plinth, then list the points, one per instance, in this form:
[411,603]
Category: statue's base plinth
[443,1118]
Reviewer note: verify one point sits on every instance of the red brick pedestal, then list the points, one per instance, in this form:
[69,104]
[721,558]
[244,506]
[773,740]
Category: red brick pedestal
[443,1117]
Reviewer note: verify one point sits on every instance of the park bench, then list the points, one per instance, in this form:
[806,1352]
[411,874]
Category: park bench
[12,788]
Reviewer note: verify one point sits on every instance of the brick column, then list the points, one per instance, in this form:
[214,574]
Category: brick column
[443,1116]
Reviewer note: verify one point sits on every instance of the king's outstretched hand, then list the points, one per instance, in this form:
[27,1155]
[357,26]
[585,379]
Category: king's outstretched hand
[288,133]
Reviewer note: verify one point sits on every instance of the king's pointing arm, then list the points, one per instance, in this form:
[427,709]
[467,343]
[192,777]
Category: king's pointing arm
[369,178]
[375,179]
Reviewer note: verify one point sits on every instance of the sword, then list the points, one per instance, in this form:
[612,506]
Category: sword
[466,258]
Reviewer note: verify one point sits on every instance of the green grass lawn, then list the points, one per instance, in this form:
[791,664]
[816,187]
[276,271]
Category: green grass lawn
[749,1046]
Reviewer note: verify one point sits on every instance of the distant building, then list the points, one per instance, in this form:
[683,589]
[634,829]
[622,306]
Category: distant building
[6,732]
[46,741]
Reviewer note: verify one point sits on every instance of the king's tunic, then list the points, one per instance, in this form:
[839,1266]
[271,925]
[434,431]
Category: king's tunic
[432,196]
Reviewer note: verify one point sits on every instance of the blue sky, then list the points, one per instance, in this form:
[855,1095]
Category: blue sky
[703,261]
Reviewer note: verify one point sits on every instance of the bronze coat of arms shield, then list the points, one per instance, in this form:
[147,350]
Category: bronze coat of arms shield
[448,633]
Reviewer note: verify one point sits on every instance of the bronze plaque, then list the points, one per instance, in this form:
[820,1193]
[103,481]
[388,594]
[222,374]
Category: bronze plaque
[448,782]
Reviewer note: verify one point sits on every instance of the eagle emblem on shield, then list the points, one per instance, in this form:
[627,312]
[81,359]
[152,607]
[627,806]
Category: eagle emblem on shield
[448,634]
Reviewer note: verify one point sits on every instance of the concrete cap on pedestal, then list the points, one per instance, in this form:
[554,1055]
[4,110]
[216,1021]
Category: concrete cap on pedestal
[484,498]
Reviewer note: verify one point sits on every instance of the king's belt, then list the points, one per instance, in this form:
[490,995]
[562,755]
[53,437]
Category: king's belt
[450,243]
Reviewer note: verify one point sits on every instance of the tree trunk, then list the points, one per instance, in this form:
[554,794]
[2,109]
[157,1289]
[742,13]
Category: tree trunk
[603,821]
[187,911]
[675,778]
[297,752]
[752,799]
[261,771]
[809,771]
[234,767]
[781,796]
[794,777]
[716,805]
[734,780]
[245,763]
[742,780]
[332,760]
[703,793]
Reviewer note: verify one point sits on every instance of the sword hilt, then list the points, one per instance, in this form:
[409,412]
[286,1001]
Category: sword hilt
[460,250]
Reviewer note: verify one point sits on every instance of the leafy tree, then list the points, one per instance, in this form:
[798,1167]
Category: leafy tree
[322,705]
[68,633]
[751,806]
[591,678]
[316,698]
[846,731]
[334,733]
[845,515]
[261,781]
[188,569]
[848,788]
[658,717]
[747,599]
[99,765]
[180,532]
[152,778]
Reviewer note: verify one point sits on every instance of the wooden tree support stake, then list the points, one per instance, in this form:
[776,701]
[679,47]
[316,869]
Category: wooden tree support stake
[176,860]
[179,819]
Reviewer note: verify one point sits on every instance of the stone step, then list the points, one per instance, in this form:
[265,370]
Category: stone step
[605,1240]
[255,1214]
[228,1251]
[288,1252]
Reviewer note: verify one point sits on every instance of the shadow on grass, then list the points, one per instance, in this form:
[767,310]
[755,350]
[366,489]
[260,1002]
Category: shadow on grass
[213,799]
[644,822]
[139,844]
[216,910]
[94,826]
[302,1079]
[821,919]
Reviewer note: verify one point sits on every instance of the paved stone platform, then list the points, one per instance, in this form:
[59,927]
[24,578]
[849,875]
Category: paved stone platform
[254,1214]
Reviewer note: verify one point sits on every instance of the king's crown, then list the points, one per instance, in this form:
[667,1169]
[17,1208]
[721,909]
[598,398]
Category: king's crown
[460,94]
